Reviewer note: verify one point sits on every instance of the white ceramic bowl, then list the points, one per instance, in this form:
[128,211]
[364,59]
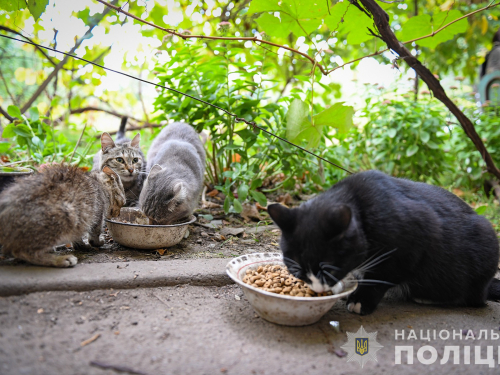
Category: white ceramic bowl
[139,235]
[277,308]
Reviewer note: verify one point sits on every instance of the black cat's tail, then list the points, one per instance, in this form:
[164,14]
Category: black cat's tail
[121,131]
[494,290]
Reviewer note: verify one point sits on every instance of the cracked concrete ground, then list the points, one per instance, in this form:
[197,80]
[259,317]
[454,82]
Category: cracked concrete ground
[207,330]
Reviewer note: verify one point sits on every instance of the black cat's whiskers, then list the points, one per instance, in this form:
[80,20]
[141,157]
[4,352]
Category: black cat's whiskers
[370,263]
[291,261]
[368,260]
[323,266]
[326,273]
[371,281]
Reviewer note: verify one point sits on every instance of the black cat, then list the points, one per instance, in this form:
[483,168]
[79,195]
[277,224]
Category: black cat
[391,232]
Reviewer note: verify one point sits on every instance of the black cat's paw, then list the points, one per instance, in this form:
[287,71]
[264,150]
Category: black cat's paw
[360,307]
[354,307]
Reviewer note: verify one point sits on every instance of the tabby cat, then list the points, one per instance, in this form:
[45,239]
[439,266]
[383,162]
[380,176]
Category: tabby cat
[56,206]
[125,157]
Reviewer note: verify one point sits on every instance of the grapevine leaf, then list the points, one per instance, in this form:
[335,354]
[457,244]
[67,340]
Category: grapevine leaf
[37,7]
[337,116]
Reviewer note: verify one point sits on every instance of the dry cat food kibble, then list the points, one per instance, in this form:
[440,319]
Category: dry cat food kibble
[277,279]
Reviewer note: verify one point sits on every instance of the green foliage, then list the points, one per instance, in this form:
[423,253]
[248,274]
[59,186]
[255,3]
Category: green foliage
[33,140]
[423,24]
[240,159]
[35,7]
[404,139]
[469,168]
[300,125]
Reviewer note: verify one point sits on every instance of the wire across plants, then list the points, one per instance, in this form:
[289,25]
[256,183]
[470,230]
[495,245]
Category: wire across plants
[236,118]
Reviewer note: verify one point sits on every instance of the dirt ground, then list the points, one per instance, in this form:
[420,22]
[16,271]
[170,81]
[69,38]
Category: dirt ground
[207,239]
[213,330]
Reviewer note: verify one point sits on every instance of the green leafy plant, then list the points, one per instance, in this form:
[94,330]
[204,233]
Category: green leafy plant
[35,141]
[241,160]
[469,168]
[404,139]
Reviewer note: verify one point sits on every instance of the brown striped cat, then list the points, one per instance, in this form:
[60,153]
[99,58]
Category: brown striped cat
[125,157]
[60,204]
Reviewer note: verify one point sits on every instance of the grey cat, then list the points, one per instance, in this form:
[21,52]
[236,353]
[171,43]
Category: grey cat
[125,157]
[59,205]
[175,180]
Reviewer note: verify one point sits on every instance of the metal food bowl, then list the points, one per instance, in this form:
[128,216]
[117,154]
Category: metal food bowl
[135,232]
[277,308]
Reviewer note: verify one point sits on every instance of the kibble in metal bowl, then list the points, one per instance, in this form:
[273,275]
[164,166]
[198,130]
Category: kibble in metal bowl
[277,279]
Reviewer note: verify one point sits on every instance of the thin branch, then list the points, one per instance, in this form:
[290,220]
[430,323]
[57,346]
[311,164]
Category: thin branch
[185,36]
[78,143]
[14,101]
[94,22]
[452,22]
[359,58]
[6,115]
[91,108]
[28,39]
[132,128]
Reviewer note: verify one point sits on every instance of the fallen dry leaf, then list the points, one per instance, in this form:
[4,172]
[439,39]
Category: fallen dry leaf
[207,204]
[213,193]
[161,251]
[259,207]
[91,340]
[285,199]
[250,212]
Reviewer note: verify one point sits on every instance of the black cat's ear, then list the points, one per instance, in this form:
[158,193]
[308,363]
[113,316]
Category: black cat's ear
[135,142]
[106,142]
[336,220]
[282,216]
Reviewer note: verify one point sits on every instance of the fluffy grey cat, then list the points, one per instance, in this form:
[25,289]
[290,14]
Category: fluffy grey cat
[56,206]
[125,157]
[173,186]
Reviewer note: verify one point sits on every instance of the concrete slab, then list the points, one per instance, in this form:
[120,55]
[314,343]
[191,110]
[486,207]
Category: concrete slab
[206,330]
[15,280]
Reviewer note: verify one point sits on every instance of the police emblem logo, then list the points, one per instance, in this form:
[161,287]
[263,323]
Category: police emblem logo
[362,346]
